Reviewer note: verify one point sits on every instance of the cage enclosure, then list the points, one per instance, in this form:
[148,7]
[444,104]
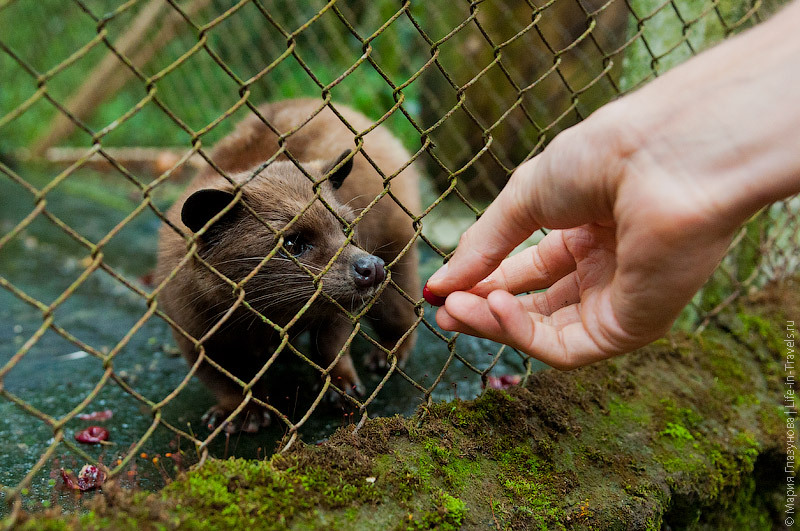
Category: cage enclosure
[109,109]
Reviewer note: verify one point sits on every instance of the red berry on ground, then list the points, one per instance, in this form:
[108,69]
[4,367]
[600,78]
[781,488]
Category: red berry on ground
[432,298]
[92,435]
[97,415]
[503,382]
[70,480]
[90,477]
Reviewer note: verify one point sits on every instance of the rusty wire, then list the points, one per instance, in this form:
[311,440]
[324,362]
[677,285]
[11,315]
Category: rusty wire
[478,87]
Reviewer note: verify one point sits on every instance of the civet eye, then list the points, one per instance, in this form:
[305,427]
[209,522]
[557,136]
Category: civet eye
[296,245]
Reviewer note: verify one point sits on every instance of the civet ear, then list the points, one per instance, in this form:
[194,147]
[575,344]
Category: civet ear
[339,174]
[204,204]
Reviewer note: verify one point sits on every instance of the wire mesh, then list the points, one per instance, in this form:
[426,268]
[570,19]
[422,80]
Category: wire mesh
[126,99]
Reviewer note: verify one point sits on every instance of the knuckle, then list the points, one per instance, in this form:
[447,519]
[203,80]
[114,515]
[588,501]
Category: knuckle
[540,266]
[612,127]
[485,259]
[464,240]
[541,304]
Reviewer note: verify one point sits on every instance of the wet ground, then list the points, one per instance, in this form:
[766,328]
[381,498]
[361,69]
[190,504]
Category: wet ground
[55,375]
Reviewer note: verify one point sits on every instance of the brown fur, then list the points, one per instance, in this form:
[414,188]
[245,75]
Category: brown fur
[197,299]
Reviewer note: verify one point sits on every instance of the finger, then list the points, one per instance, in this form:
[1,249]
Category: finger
[563,347]
[465,308]
[563,294]
[571,183]
[504,225]
[535,268]
[451,324]
[560,340]
[467,313]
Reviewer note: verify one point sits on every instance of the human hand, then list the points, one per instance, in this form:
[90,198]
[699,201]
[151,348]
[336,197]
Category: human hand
[645,195]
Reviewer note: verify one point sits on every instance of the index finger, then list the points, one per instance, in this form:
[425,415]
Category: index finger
[504,225]
[571,183]
[536,267]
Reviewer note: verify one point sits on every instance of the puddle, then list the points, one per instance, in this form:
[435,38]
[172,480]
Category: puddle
[55,375]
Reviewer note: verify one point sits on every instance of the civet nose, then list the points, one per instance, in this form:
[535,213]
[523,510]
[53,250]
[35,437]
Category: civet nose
[368,271]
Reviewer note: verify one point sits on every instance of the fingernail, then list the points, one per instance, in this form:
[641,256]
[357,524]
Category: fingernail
[439,275]
[432,298]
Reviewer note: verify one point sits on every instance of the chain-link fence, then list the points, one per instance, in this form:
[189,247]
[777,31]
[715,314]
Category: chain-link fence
[107,107]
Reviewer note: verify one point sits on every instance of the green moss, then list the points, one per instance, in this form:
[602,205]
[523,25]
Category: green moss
[520,459]
[681,424]
[746,509]
[764,328]
[236,493]
[448,514]
[748,449]
[440,454]
[489,408]
[747,400]
[623,413]
[525,481]
[460,473]
[772,420]
[686,463]
[49,525]
[677,431]
[707,468]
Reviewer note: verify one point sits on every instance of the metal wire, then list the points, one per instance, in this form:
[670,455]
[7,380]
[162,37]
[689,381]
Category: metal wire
[473,88]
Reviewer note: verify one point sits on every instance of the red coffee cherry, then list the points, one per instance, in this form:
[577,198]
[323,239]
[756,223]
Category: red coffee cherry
[432,298]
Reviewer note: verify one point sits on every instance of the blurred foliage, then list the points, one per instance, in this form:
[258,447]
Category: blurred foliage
[199,90]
